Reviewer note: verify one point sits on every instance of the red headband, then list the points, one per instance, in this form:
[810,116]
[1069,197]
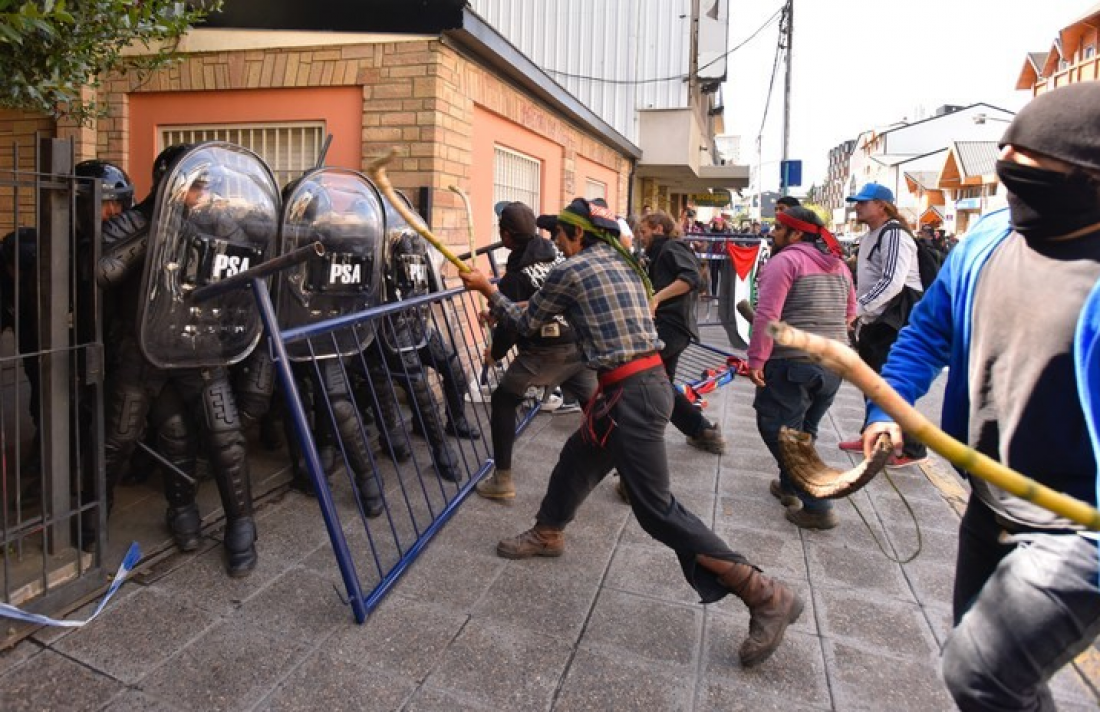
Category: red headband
[811,229]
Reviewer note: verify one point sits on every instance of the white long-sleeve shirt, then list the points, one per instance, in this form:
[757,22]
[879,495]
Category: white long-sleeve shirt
[887,262]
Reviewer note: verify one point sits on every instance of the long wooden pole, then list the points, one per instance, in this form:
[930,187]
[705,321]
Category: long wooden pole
[845,362]
[377,172]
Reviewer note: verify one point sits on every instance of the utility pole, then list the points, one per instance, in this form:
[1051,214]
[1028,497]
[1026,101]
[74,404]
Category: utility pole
[789,33]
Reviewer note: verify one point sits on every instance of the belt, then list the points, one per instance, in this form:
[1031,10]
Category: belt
[628,369]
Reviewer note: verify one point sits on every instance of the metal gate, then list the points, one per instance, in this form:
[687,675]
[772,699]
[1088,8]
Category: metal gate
[51,444]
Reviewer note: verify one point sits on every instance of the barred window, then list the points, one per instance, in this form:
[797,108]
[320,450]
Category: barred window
[289,149]
[516,176]
[595,189]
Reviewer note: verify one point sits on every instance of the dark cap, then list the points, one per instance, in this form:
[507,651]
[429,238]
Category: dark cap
[516,217]
[599,216]
[1063,123]
[547,222]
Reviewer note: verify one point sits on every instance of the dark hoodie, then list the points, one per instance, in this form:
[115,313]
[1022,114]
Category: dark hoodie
[525,273]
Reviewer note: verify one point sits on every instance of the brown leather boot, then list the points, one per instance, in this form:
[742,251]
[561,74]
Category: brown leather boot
[540,540]
[772,606]
[497,486]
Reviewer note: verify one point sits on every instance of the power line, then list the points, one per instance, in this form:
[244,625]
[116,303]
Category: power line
[678,77]
[775,71]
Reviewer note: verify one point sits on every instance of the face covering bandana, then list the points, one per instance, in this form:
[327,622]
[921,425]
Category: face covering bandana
[1045,203]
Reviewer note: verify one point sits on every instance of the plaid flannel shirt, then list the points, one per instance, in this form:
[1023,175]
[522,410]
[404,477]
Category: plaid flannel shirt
[602,298]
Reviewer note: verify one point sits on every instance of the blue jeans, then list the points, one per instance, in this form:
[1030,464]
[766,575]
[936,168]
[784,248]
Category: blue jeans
[1026,603]
[797,395]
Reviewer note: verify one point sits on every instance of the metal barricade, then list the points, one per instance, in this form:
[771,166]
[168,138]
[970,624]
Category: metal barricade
[418,495]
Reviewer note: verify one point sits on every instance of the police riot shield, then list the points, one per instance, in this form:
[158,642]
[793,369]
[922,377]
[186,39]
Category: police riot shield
[215,215]
[343,210]
[412,270]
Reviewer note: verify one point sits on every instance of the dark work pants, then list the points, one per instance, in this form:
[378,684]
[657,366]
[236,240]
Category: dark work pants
[797,395]
[686,416]
[874,345]
[629,418]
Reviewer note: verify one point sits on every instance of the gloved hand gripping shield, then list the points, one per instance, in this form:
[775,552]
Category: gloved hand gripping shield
[343,210]
[412,270]
[215,215]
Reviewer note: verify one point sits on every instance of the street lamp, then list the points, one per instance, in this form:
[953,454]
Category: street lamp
[982,118]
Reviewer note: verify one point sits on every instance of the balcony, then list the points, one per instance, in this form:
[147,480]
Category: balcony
[676,152]
[1085,71]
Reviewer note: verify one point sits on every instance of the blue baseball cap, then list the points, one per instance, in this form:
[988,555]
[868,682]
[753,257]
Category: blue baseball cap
[872,191]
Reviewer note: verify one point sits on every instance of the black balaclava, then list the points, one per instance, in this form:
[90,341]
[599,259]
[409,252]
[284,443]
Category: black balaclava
[1063,124]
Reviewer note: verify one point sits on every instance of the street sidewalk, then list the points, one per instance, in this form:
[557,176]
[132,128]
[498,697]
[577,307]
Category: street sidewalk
[610,625]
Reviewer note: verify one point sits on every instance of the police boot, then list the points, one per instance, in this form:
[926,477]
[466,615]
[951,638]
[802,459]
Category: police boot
[370,496]
[240,546]
[457,425]
[772,606]
[186,526]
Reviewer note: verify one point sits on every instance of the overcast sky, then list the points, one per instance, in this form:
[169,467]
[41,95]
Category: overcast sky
[858,65]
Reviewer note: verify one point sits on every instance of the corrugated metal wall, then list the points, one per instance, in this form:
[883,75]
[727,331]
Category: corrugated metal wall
[580,42]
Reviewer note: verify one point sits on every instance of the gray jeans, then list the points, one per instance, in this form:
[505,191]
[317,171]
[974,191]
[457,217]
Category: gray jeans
[1026,604]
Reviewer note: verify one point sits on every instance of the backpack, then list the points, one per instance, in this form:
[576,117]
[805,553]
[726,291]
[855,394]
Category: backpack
[929,260]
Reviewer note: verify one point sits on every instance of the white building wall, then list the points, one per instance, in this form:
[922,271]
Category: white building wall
[936,133]
[579,42]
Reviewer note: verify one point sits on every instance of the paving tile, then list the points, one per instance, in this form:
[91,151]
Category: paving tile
[16,656]
[937,547]
[204,584]
[754,513]
[403,636]
[931,581]
[429,699]
[337,684]
[778,554]
[300,604]
[228,668]
[882,624]
[50,681]
[598,680]
[834,566]
[717,694]
[795,670]
[136,701]
[651,570]
[122,642]
[1069,688]
[502,667]
[553,603]
[657,631]
[452,578]
[870,680]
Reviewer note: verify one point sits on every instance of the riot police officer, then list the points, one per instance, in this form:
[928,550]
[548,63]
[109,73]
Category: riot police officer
[178,350]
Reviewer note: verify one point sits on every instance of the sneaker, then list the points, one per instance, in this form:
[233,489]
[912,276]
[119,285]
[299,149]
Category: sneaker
[552,403]
[851,445]
[787,499]
[533,542]
[569,407]
[710,440]
[904,460]
[812,520]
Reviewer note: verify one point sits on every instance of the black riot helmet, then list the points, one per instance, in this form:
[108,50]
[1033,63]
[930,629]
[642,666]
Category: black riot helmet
[113,182]
[165,159]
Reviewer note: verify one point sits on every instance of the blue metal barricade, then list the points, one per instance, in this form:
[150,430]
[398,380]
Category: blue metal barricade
[418,495]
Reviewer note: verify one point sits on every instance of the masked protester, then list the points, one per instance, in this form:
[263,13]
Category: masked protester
[1022,388]
[605,295]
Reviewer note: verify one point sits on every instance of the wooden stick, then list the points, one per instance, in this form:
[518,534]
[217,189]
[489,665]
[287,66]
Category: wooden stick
[845,362]
[377,172]
[469,221]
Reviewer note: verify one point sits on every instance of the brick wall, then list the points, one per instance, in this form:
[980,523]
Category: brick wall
[18,137]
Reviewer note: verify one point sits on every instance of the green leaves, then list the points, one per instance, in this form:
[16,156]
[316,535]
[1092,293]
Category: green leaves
[50,50]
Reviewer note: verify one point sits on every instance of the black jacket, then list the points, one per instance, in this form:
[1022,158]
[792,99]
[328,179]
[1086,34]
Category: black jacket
[670,260]
[525,273]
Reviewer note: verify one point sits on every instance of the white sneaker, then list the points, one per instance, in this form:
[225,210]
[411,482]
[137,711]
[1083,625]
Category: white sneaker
[570,407]
[552,403]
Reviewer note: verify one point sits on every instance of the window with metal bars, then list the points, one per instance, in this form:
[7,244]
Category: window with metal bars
[595,189]
[516,176]
[289,149]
